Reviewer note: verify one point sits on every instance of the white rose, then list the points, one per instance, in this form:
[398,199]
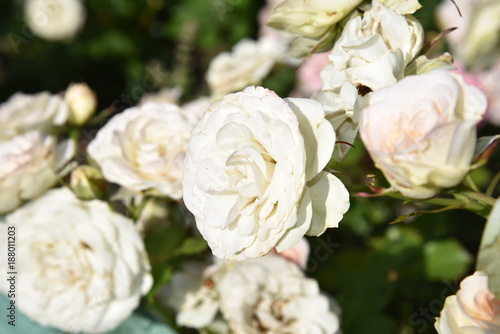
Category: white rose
[311,21]
[81,266]
[144,148]
[82,103]
[23,112]
[253,174]
[265,295]
[272,295]
[57,20]
[474,309]
[372,52]
[31,163]
[421,132]
[248,63]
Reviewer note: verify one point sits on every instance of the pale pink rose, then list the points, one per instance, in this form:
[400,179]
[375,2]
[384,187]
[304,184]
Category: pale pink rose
[474,309]
[298,254]
[421,132]
[308,78]
[478,302]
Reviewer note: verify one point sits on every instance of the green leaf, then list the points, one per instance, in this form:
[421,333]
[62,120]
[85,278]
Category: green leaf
[445,259]
[488,260]
[135,324]
[161,276]
[161,244]
[191,246]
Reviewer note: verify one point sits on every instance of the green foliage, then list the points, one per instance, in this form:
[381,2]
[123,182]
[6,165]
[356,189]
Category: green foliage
[445,260]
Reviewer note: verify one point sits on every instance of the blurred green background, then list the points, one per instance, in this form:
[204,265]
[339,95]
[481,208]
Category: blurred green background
[387,278]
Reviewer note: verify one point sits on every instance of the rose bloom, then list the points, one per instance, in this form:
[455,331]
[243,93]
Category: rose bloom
[371,53]
[272,295]
[253,174]
[265,295]
[421,132]
[23,112]
[144,148]
[31,163]
[55,20]
[473,310]
[248,63]
[82,266]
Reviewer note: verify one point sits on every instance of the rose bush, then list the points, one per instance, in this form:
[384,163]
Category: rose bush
[421,132]
[31,163]
[82,266]
[473,310]
[23,112]
[144,148]
[253,174]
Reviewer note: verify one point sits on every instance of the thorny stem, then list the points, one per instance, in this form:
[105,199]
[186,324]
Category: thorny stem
[478,203]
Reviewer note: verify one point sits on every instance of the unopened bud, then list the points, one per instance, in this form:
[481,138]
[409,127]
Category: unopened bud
[82,103]
[87,182]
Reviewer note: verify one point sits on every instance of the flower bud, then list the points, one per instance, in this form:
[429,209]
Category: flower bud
[87,182]
[82,103]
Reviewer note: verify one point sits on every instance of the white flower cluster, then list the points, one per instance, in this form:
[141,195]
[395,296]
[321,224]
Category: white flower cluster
[372,52]
[33,157]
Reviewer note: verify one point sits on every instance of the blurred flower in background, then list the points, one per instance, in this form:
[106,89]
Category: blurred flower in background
[269,294]
[55,20]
